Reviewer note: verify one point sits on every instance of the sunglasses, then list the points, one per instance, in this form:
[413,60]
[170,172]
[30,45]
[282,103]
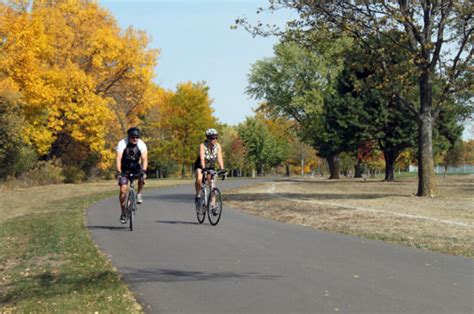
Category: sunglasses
[213,138]
[134,137]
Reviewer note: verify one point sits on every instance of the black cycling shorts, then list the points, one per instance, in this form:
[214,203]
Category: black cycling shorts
[123,179]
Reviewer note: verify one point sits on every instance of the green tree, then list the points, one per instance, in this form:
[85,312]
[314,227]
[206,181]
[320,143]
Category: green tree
[299,84]
[431,30]
[378,117]
[263,149]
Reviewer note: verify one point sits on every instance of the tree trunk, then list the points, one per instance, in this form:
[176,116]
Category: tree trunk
[287,170]
[302,164]
[390,157]
[333,163]
[183,170]
[358,169]
[426,176]
[260,170]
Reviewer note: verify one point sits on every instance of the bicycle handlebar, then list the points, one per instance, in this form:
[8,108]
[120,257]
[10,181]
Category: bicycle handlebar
[211,171]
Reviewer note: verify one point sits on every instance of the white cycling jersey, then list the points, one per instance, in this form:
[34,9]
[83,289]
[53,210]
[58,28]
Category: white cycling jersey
[124,142]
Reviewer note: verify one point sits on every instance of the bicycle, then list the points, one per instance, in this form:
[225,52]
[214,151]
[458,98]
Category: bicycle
[131,201]
[211,198]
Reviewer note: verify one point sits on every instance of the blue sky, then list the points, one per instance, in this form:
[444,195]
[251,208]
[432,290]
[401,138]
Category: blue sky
[197,44]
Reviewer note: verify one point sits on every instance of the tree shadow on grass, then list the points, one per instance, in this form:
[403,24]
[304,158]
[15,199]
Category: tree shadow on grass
[343,181]
[47,285]
[249,197]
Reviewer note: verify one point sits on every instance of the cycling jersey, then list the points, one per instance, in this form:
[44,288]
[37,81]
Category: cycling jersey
[131,155]
[210,156]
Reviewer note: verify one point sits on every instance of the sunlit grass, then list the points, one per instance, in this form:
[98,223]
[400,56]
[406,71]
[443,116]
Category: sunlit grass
[372,209]
[48,261]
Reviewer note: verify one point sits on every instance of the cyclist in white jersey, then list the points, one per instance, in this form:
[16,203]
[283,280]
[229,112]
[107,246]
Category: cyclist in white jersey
[132,158]
[209,152]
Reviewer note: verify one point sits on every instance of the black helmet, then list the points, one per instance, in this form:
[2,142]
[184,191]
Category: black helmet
[133,132]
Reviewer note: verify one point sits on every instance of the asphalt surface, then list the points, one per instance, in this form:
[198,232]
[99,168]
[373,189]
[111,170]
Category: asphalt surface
[248,264]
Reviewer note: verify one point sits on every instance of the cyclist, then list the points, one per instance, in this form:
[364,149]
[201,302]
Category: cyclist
[209,152]
[130,152]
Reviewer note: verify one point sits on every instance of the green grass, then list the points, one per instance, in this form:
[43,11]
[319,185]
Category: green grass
[49,263]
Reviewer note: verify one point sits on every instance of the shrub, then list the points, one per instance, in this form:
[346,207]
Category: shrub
[73,174]
[45,172]
[26,159]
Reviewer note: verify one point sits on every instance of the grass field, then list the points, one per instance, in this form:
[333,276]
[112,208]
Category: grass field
[372,209]
[48,261]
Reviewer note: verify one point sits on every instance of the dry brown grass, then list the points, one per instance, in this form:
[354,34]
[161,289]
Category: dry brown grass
[20,201]
[371,209]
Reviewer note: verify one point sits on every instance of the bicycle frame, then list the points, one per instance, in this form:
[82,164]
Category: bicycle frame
[207,183]
[132,194]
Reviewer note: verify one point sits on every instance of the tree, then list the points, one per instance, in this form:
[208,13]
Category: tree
[78,75]
[233,149]
[184,118]
[15,156]
[263,149]
[453,156]
[468,152]
[299,84]
[156,135]
[439,36]
[379,117]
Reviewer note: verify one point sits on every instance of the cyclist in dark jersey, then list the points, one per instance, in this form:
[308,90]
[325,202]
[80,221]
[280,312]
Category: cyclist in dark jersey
[209,152]
[132,158]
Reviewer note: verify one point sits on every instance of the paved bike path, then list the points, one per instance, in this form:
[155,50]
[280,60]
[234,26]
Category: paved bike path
[248,264]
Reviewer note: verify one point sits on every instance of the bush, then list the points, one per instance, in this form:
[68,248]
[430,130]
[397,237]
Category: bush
[106,174]
[73,175]
[45,172]
[26,160]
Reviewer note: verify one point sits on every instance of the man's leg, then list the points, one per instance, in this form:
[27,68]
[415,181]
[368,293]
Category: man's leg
[141,183]
[122,198]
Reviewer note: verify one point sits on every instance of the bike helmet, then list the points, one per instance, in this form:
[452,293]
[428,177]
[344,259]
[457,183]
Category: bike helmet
[133,132]
[211,132]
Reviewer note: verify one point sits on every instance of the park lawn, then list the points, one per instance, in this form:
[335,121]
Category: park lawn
[48,261]
[371,209]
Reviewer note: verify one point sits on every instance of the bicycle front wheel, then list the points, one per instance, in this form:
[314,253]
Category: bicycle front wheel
[200,212]
[131,203]
[214,206]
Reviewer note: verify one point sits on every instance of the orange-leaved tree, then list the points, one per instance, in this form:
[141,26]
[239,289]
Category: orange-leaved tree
[184,117]
[83,81]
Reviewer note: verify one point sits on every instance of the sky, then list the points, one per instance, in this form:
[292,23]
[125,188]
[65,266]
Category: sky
[197,44]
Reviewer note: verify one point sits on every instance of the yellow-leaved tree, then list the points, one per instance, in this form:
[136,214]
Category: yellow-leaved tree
[83,81]
[183,119]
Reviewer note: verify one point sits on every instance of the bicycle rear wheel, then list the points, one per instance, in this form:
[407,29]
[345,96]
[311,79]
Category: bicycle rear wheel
[214,206]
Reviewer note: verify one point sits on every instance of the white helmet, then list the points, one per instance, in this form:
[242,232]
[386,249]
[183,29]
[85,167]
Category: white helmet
[211,132]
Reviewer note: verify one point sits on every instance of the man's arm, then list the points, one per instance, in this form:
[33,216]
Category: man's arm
[144,157]
[118,161]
